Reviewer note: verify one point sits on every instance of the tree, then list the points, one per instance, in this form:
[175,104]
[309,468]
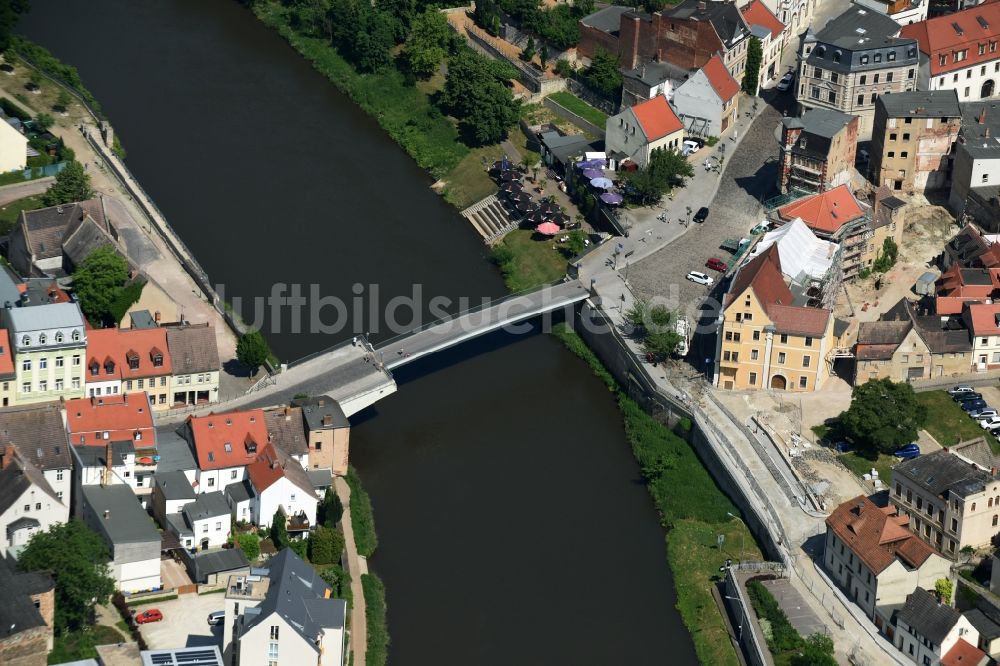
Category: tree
[817,651]
[64,100]
[883,416]
[338,580]
[362,33]
[72,184]
[427,44]
[751,75]
[98,283]
[326,545]
[249,544]
[44,121]
[330,510]
[77,559]
[529,50]
[252,349]
[666,169]
[279,529]
[887,258]
[10,12]
[944,588]
[543,55]
[312,17]
[476,93]
[604,75]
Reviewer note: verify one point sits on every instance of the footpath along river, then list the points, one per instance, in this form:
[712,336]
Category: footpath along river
[513,525]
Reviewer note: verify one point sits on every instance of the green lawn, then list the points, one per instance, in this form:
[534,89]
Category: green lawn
[470,182]
[79,645]
[946,422]
[861,466]
[579,107]
[533,261]
[10,212]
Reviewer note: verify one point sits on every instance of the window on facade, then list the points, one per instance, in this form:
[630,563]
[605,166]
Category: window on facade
[891,153]
[211,481]
[986,177]
[784,339]
[834,77]
[232,475]
[892,137]
[43,385]
[803,382]
[888,77]
[75,383]
[59,385]
[781,357]
[973,508]
[903,154]
[76,359]
[43,363]
[26,364]
[814,92]
[861,100]
[59,361]
[753,382]
[878,57]
[906,136]
[873,98]
[818,73]
[753,354]
[832,97]
[756,335]
[805,361]
[274,632]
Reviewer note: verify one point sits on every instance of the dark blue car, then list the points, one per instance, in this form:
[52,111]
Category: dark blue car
[911,450]
[972,405]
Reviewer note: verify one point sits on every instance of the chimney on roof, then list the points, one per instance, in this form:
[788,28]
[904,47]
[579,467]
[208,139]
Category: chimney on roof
[108,463]
[288,413]
[8,457]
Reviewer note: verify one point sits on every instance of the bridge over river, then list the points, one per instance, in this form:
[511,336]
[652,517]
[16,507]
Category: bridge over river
[358,374]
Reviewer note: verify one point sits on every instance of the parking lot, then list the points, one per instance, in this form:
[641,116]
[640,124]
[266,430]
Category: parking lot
[185,622]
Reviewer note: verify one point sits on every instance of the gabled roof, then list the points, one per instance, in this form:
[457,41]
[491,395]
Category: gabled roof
[877,535]
[229,439]
[286,430]
[17,477]
[6,356]
[214,562]
[957,31]
[985,318]
[205,506]
[272,465]
[118,514]
[44,229]
[942,474]
[757,13]
[825,212]
[174,485]
[38,432]
[656,118]
[122,416]
[17,610]
[298,594]
[120,345]
[843,31]
[963,653]
[722,81]
[193,348]
[725,19]
[927,616]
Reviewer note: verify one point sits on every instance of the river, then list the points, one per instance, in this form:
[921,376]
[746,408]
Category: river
[513,525]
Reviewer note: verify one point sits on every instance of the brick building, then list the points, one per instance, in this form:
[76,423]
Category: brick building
[686,35]
[817,150]
[27,609]
[912,140]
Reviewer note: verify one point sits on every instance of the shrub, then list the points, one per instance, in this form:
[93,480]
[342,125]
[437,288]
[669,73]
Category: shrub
[249,544]
[326,545]
[377,651]
[362,515]
[784,637]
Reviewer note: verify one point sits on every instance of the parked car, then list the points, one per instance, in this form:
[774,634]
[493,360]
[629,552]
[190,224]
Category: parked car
[700,278]
[701,215]
[786,82]
[218,617]
[971,405]
[955,390]
[989,421]
[690,147]
[843,447]
[717,265]
[984,413]
[151,615]
[911,450]
[965,397]
[994,429]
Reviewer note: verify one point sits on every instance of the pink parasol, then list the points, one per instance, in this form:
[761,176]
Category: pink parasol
[548,228]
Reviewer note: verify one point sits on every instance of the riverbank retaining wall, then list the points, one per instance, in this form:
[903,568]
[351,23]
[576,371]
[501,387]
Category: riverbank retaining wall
[600,334]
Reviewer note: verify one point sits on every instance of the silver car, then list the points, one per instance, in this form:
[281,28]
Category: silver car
[700,278]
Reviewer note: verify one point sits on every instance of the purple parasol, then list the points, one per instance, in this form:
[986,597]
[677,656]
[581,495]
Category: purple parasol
[602,183]
[590,174]
[612,198]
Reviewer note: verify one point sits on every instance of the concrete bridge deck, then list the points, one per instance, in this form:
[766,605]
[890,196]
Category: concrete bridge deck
[449,332]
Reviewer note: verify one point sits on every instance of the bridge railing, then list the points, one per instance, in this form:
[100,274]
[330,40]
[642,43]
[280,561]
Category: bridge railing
[468,311]
[329,350]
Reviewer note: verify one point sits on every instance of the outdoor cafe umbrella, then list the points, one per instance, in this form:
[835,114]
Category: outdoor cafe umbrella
[551,208]
[536,217]
[602,183]
[509,175]
[590,164]
[548,228]
[520,197]
[527,206]
[590,174]
[612,198]
[513,187]
[561,219]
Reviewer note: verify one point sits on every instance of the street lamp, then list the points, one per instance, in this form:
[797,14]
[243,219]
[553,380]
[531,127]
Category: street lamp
[742,537]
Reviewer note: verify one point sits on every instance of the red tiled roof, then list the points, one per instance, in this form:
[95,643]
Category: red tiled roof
[229,439]
[118,346]
[757,13]
[963,653]
[6,359]
[121,416]
[938,37]
[799,320]
[722,81]
[991,258]
[877,535]
[657,118]
[826,212]
[266,469]
[984,318]
[953,305]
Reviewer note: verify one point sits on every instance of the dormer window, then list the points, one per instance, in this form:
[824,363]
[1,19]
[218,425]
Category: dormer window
[836,56]
[211,456]
[138,435]
[864,60]
[228,447]
[95,368]
[133,359]
[76,336]
[26,341]
[157,356]
[109,366]
[59,337]
[878,57]
[41,338]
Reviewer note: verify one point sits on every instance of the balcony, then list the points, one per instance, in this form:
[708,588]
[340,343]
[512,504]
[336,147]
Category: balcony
[802,166]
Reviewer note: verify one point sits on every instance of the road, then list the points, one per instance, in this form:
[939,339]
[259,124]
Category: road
[17,191]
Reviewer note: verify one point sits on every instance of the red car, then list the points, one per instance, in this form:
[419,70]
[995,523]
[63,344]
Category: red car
[717,265]
[152,615]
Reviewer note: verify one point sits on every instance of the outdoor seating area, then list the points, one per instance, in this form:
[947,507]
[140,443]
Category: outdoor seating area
[593,172]
[527,207]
